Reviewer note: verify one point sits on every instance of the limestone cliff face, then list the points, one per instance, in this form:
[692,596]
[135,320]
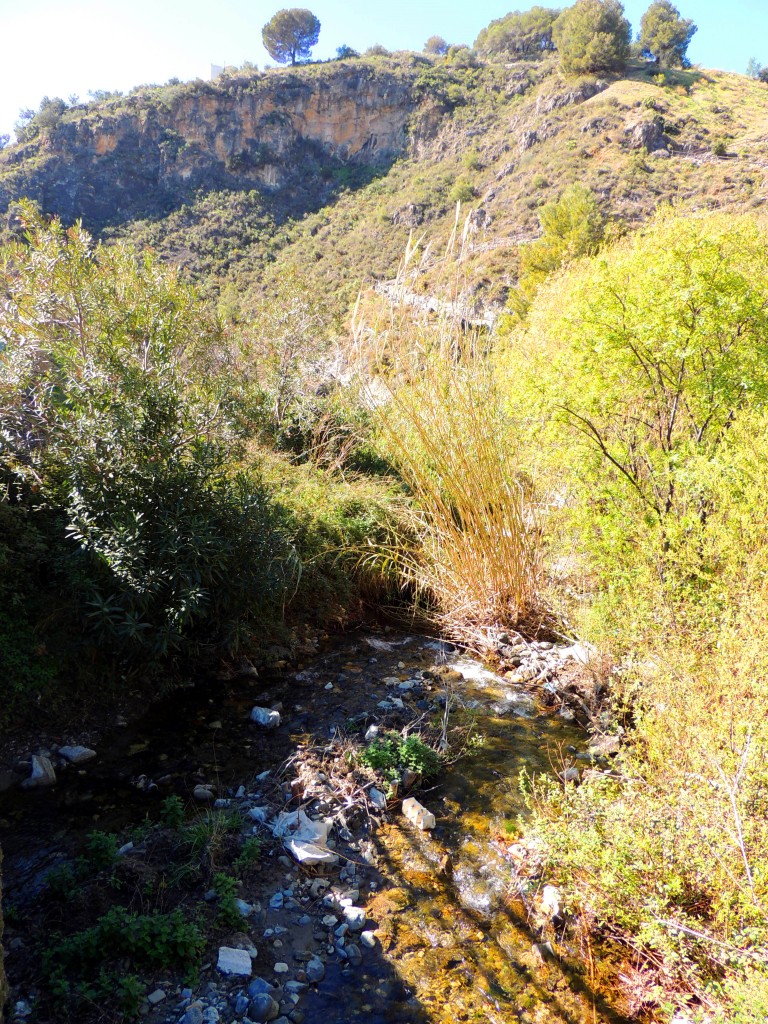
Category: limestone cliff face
[283,131]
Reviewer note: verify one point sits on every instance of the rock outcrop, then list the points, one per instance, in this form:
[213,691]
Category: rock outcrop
[146,154]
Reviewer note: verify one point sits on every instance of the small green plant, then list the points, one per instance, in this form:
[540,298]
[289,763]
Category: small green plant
[228,914]
[172,812]
[101,850]
[392,755]
[250,854]
[719,148]
[86,967]
[61,882]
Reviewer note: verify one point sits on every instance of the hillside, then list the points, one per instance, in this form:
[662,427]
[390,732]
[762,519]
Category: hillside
[330,167]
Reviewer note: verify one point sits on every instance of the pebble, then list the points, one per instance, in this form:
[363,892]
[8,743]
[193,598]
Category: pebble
[258,987]
[281,968]
[315,970]
[368,939]
[263,1008]
[193,1015]
[277,901]
[156,997]
[354,954]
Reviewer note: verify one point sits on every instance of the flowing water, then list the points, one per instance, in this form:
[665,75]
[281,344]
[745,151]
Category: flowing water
[454,938]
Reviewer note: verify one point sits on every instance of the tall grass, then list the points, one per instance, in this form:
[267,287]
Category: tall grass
[441,424]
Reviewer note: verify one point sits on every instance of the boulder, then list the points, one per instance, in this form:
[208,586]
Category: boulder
[42,774]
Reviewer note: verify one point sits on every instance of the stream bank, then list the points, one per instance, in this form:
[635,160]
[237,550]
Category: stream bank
[408,925]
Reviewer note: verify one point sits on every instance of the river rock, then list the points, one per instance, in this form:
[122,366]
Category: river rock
[550,901]
[604,746]
[203,794]
[315,970]
[156,997]
[42,774]
[418,814]
[234,961]
[259,986]
[354,954]
[355,917]
[265,717]
[263,1008]
[368,939]
[76,755]
[192,1015]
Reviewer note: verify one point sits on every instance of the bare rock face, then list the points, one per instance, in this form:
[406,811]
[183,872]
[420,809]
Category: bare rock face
[645,135]
[145,155]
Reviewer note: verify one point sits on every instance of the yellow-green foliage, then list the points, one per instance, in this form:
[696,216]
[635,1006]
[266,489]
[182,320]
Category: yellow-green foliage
[641,376]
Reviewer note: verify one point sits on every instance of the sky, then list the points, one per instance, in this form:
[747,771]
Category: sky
[70,47]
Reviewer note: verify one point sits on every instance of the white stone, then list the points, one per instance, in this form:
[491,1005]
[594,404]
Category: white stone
[355,918]
[76,755]
[371,733]
[234,961]
[368,939]
[418,814]
[550,901]
[281,968]
[266,717]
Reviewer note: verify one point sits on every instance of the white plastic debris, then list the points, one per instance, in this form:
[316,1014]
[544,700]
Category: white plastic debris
[234,961]
[306,839]
[266,717]
[377,798]
[418,814]
[258,813]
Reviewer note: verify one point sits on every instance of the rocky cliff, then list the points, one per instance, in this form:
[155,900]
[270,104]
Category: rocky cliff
[292,133]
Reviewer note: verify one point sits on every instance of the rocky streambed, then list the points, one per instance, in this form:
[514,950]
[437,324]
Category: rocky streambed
[318,900]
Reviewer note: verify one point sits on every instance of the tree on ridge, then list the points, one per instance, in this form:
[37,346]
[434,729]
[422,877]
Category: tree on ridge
[291,34]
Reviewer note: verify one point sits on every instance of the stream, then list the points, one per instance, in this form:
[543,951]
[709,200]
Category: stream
[454,934]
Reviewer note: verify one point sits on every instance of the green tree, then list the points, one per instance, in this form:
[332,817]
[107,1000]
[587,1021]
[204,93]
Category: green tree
[593,35]
[290,35]
[648,354]
[520,34]
[436,45]
[571,226]
[344,52]
[665,36]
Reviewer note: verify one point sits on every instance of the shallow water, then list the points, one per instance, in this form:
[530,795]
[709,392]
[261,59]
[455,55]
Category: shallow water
[454,941]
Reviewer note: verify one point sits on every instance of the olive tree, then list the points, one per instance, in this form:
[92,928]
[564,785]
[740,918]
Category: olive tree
[290,35]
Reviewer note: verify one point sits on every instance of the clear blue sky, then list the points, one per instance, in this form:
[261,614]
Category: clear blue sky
[65,47]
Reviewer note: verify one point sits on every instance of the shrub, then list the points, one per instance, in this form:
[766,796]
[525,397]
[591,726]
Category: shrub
[117,448]
[393,754]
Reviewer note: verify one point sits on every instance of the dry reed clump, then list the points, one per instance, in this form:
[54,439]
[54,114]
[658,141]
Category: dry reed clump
[440,420]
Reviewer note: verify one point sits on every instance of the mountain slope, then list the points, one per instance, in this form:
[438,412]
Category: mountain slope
[329,168]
